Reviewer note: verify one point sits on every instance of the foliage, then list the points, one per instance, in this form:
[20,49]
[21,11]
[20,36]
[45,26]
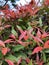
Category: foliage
[24,34]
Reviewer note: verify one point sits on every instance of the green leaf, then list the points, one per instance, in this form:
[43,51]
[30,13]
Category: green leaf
[46,50]
[23,63]
[40,21]
[44,57]
[45,27]
[13,31]
[17,48]
[29,26]
[19,27]
[47,63]
[30,63]
[22,54]
[13,58]
[20,20]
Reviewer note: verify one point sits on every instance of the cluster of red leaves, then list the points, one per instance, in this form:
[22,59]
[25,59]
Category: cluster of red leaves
[31,8]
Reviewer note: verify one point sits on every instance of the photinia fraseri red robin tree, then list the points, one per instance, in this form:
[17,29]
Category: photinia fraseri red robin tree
[24,34]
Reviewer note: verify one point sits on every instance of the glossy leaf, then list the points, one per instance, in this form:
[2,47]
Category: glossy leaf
[37,49]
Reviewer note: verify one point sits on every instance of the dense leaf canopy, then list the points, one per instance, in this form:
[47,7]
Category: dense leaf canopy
[24,34]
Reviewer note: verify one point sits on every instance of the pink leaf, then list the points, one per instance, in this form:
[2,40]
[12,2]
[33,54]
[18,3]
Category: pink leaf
[5,50]
[22,35]
[27,60]
[38,40]
[20,42]
[25,34]
[39,33]
[46,45]
[37,49]
[8,41]
[7,26]
[2,43]
[12,36]
[9,62]
[26,37]
[23,43]
[45,35]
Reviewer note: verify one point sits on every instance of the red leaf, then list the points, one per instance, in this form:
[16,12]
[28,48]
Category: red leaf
[8,41]
[24,43]
[20,42]
[38,40]
[22,35]
[39,33]
[5,50]
[36,10]
[46,45]
[2,43]
[37,49]
[7,26]
[12,36]
[12,14]
[9,62]
[45,35]
[26,37]
[27,60]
